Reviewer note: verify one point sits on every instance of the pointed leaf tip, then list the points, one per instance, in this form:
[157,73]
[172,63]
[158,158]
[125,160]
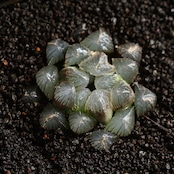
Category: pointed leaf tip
[46,79]
[98,104]
[145,99]
[55,51]
[131,50]
[122,95]
[99,41]
[53,118]
[102,140]
[65,95]
[97,65]
[126,68]
[122,123]
[81,123]
[78,77]
[75,54]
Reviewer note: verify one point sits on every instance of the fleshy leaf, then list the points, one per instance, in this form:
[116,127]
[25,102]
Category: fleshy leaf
[97,65]
[81,98]
[131,50]
[79,78]
[55,51]
[53,118]
[81,123]
[145,100]
[99,41]
[106,81]
[98,104]
[75,54]
[102,140]
[121,95]
[46,79]
[122,123]
[34,95]
[65,95]
[126,68]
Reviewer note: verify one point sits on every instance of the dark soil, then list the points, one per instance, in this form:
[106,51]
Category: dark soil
[25,29]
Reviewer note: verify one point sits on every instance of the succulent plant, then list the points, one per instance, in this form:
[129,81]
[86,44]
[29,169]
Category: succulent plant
[93,88]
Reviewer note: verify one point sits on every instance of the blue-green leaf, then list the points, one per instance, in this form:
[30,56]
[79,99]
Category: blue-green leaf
[75,54]
[47,79]
[102,140]
[145,99]
[99,105]
[106,81]
[52,118]
[121,95]
[122,123]
[131,50]
[81,122]
[65,95]
[97,64]
[79,78]
[55,51]
[99,41]
[126,68]
[81,98]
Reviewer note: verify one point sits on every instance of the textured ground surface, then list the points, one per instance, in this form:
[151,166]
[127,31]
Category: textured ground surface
[24,146]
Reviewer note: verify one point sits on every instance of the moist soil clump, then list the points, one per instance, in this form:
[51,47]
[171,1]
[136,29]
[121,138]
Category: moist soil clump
[25,29]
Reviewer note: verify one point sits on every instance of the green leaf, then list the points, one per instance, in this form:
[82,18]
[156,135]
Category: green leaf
[52,118]
[65,95]
[126,68]
[145,100]
[79,78]
[33,94]
[99,41]
[81,98]
[75,54]
[98,104]
[55,51]
[102,140]
[106,81]
[97,64]
[46,79]
[131,50]
[122,123]
[121,95]
[81,123]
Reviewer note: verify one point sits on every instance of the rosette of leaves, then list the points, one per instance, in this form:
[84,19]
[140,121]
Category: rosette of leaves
[93,88]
